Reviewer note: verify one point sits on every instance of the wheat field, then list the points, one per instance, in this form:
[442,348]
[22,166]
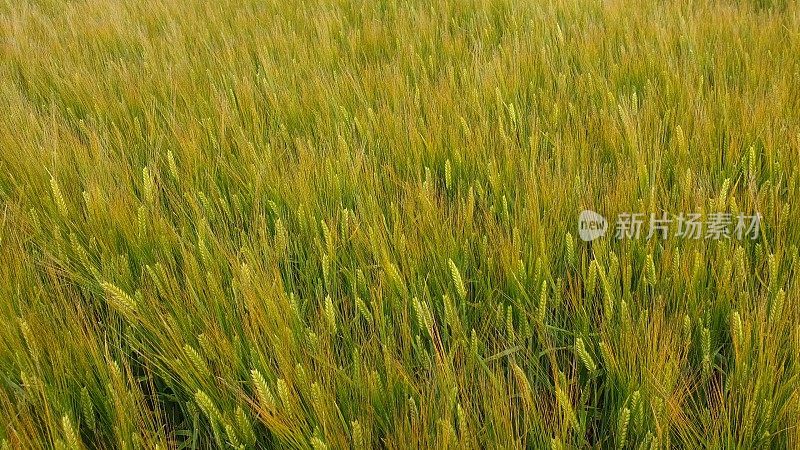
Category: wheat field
[334,224]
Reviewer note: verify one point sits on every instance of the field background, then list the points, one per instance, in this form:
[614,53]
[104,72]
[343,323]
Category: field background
[344,224]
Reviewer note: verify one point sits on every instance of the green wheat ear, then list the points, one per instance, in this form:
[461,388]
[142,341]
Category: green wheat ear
[566,407]
[651,271]
[173,168]
[736,330]
[448,175]
[119,299]
[683,144]
[473,343]
[318,444]
[283,393]
[457,280]
[608,357]
[591,281]
[584,356]
[362,309]
[28,336]
[541,310]
[461,417]
[608,295]
[686,332]
[358,435]
[196,359]
[424,317]
[622,427]
[706,348]
[147,186]
[263,392]
[245,426]
[317,400]
[776,311]
[88,409]
[281,237]
[141,218]
[450,315]
[59,197]
[71,436]
[510,323]
[207,406]
[571,258]
[233,438]
[330,314]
